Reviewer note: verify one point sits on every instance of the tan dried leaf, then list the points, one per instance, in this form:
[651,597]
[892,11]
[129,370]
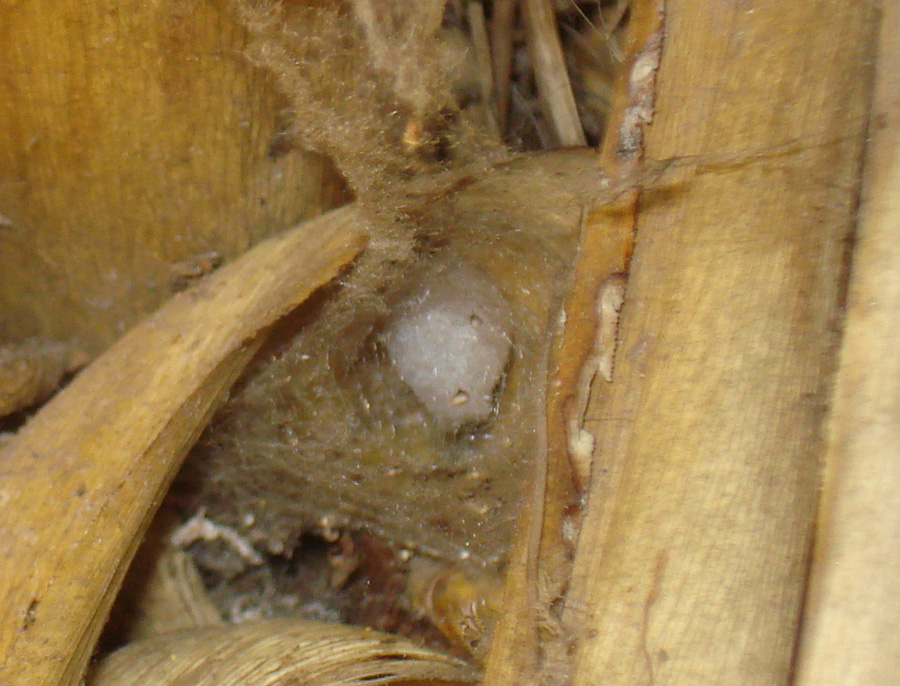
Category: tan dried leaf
[279,651]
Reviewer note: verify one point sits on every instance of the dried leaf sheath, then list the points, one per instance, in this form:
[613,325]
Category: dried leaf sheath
[532,637]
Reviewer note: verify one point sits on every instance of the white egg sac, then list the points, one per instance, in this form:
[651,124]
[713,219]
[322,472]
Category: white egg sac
[450,342]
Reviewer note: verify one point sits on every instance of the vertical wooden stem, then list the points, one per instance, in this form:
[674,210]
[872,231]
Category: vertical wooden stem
[851,633]
[692,560]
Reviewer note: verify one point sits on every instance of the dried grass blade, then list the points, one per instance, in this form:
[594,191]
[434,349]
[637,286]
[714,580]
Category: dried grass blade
[478,27]
[553,82]
[501,52]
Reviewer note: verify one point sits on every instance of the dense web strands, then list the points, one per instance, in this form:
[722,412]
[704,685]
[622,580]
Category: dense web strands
[410,380]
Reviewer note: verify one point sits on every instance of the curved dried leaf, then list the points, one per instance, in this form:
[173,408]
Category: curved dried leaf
[278,651]
[81,481]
